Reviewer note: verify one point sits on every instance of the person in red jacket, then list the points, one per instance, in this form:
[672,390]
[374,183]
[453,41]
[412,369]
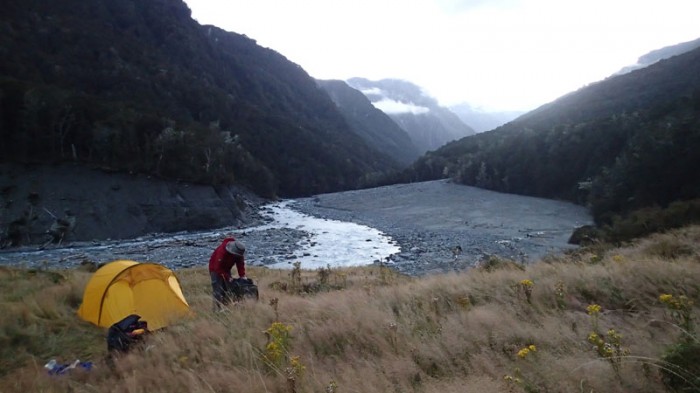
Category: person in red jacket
[230,252]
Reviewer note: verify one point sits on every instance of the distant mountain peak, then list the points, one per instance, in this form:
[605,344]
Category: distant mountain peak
[427,123]
[482,120]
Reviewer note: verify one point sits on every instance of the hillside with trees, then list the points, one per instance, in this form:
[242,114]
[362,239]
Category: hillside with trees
[139,86]
[373,125]
[621,145]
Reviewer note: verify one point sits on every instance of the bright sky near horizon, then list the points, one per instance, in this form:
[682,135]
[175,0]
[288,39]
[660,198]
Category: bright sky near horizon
[493,54]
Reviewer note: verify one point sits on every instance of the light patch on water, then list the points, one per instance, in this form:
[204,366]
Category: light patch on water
[332,242]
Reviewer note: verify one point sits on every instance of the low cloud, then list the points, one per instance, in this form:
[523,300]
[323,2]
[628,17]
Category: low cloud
[372,90]
[395,107]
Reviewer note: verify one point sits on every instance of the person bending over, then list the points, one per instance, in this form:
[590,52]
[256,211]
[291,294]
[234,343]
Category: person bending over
[230,252]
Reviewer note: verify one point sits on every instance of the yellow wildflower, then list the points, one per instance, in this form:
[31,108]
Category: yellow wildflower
[593,309]
[297,367]
[607,350]
[593,338]
[526,351]
[527,283]
[614,335]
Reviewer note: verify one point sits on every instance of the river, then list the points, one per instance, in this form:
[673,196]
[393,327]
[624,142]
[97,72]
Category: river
[418,228]
[287,236]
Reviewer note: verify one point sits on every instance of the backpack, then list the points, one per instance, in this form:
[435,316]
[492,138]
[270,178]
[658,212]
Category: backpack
[243,288]
[125,333]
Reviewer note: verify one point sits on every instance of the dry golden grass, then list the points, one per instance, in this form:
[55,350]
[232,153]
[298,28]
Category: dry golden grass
[370,330]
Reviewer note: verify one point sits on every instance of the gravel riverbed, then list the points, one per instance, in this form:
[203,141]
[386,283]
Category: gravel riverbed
[442,226]
[439,227]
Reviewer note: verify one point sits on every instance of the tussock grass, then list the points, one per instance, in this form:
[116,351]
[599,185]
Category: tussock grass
[371,330]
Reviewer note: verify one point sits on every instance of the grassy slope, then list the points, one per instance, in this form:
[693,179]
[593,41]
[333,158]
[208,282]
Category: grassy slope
[380,332]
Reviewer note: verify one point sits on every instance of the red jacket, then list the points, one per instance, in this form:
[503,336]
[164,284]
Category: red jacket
[221,261]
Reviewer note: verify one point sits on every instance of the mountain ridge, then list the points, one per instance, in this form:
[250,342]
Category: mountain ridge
[428,124]
[660,54]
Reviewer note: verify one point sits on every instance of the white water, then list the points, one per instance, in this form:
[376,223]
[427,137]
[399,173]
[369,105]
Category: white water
[334,243]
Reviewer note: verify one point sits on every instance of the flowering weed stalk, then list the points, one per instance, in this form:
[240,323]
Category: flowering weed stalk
[524,352]
[682,358]
[324,275]
[332,387]
[295,275]
[278,343]
[517,378]
[681,310]
[594,311]
[393,329]
[514,380]
[294,372]
[609,347]
[526,286]
[559,291]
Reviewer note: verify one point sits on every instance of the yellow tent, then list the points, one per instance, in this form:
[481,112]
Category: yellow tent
[121,288]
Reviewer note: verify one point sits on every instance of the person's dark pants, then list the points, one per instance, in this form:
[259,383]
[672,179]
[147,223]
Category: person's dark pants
[219,286]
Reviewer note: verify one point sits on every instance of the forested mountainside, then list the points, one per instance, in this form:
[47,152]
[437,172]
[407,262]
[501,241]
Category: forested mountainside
[429,125]
[139,86]
[625,143]
[660,54]
[373,125]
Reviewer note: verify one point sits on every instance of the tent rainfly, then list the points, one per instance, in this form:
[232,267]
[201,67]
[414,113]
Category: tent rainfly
[121,288]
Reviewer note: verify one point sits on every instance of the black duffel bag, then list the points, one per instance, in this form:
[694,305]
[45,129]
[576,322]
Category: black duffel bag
[125,333]
[242,288]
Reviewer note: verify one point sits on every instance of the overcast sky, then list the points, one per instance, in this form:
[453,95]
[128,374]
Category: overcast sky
[495,54]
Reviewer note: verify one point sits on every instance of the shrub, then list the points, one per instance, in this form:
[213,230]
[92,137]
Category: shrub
[649,220]
[494,262]
[669,248]
[682,371]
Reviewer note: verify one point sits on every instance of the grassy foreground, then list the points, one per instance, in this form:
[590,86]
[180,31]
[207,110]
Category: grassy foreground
[498,328]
